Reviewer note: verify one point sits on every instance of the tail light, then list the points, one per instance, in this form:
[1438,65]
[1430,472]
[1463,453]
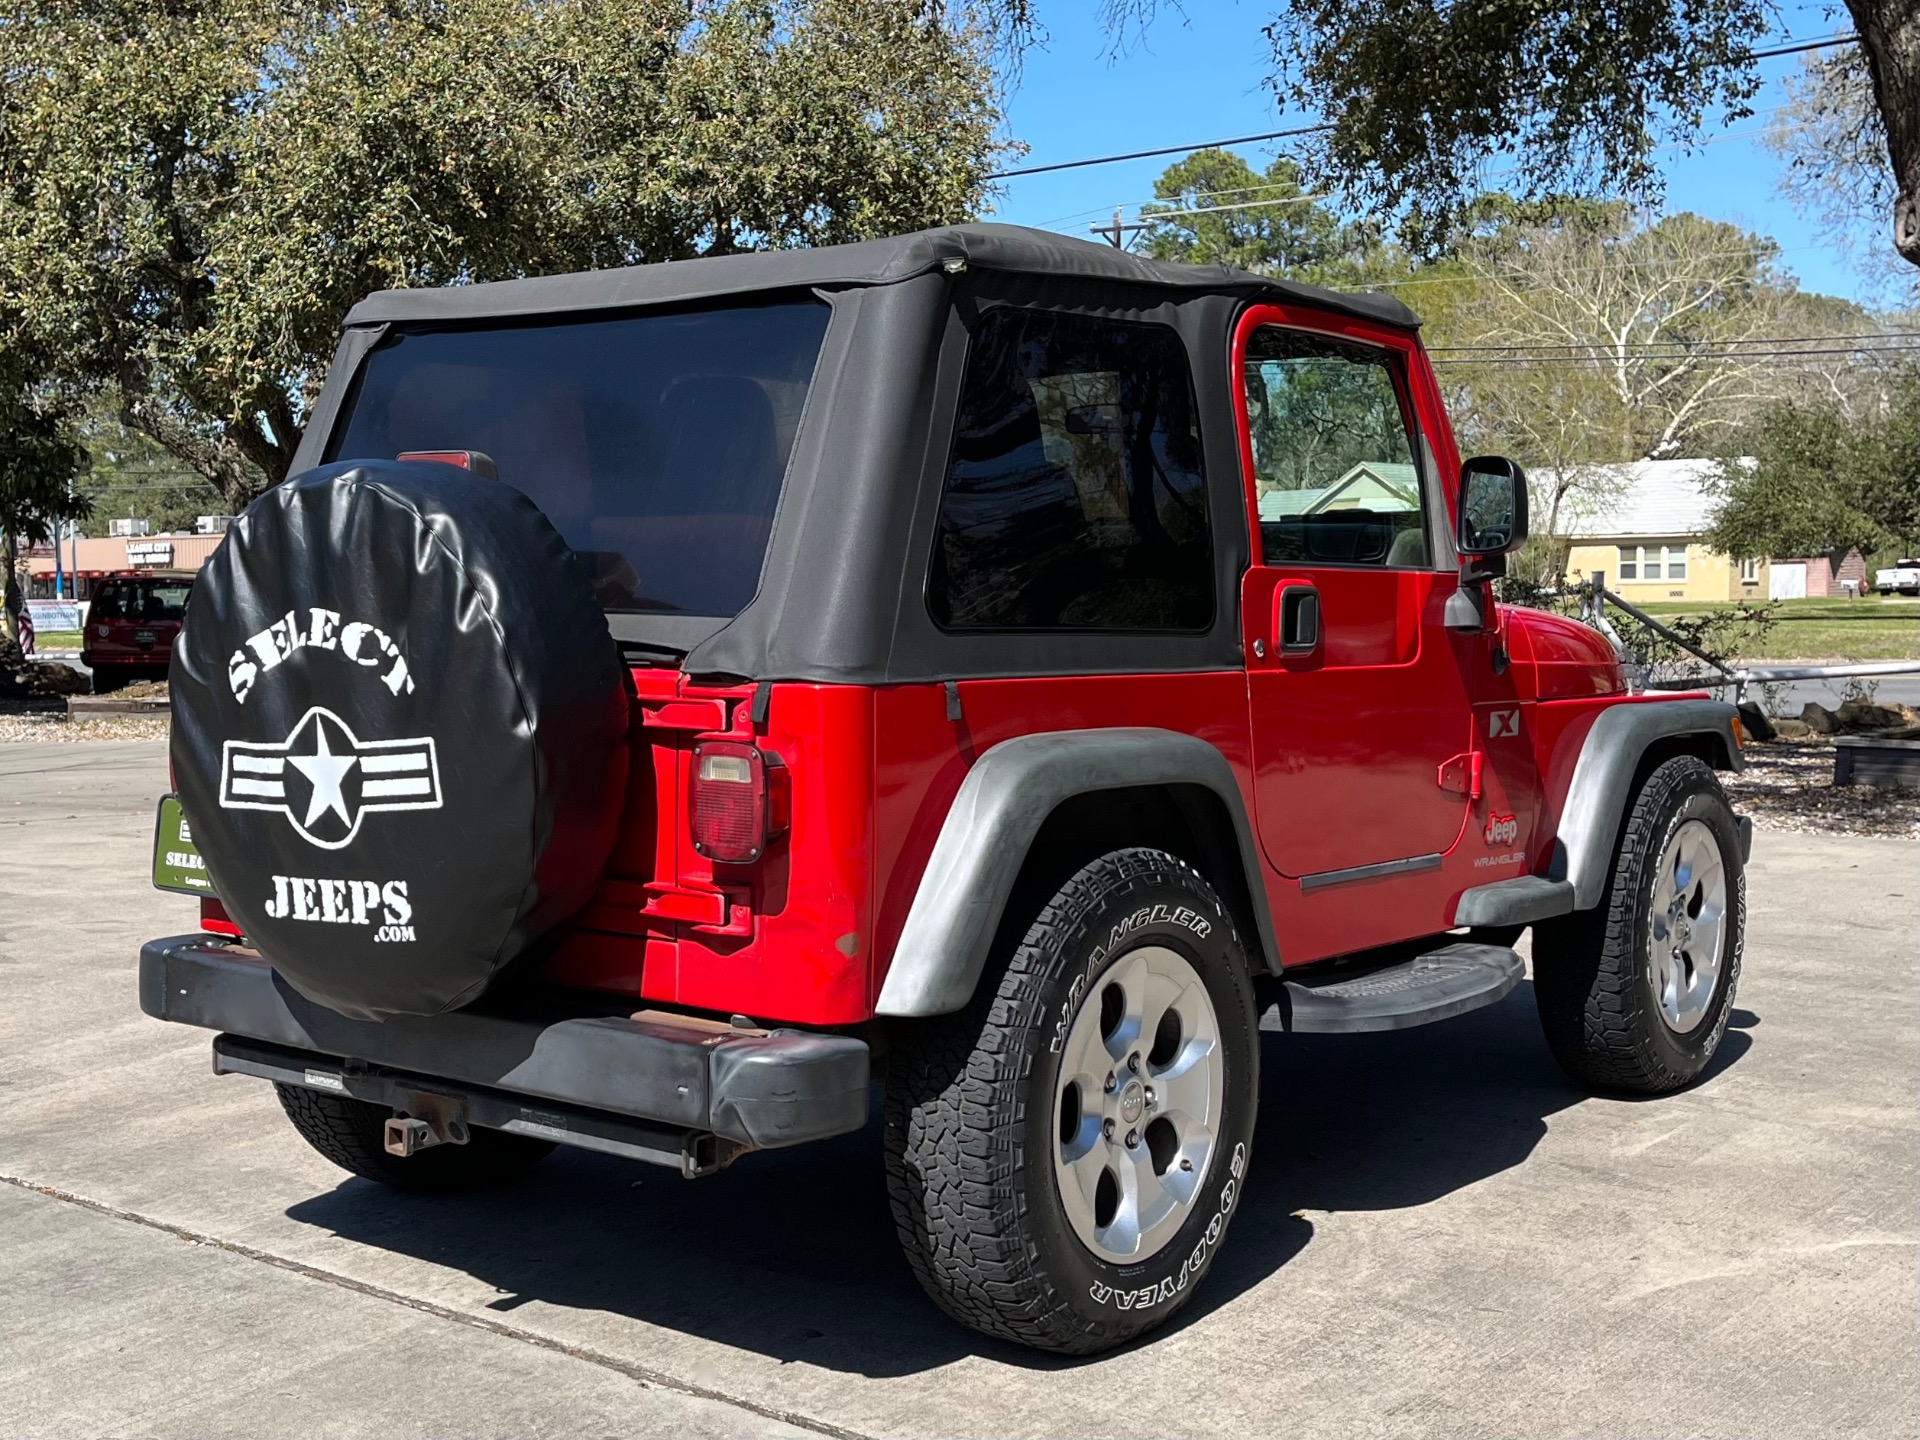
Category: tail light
[736,803]
[215,920]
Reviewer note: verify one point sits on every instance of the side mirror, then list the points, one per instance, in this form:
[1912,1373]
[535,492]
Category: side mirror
[1493,506]
[1493,521]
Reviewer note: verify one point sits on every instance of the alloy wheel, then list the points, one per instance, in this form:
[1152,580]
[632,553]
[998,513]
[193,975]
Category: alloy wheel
[1137,1104]
[1688,924]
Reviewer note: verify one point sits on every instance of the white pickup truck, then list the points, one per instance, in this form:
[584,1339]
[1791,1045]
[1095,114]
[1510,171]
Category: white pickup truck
[1902,579]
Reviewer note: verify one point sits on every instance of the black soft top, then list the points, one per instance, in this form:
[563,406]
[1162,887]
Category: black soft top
[841,592]
[1012,249]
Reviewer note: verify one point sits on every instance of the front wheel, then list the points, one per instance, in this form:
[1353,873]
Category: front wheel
[1064,1156]
[1634,995]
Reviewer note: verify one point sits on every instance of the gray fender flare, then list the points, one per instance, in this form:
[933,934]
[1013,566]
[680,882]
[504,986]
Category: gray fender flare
[1597,798]
[983,844]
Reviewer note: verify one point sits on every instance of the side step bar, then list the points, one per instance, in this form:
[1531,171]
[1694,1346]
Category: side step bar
[1435,986]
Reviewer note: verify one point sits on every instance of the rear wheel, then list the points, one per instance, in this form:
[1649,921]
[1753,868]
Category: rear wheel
[351,1133]
[1064,1156]
[1634,995]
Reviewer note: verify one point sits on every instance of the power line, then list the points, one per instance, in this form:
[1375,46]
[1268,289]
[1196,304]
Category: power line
[1585,267]
[1162,150]
[1602,362]
[1154,219]
[1801,47]
[1138,205]
[1797,48]
[1159,215]
[1775,340]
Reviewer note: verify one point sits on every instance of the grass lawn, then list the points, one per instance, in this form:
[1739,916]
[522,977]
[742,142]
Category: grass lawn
[1869,628]
[56,639]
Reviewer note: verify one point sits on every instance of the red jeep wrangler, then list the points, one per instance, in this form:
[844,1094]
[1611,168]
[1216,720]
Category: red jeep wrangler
[665,700]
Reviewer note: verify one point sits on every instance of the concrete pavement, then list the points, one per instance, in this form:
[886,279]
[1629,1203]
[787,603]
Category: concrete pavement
[1440,1236]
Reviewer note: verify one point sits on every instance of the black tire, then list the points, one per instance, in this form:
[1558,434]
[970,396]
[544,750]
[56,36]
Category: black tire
[351,1134]
[436,616]
[1593,971]
[973,1184]
[106,680]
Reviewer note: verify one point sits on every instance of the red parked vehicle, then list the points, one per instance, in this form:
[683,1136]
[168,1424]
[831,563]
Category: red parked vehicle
[132,623]
[664,701]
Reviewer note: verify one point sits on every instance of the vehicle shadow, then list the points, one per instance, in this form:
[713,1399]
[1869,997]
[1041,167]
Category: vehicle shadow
[792,1254]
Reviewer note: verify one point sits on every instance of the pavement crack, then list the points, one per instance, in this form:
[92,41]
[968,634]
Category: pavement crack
[643,1374]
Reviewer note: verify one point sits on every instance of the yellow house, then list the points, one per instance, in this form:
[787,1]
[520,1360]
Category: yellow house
[1645,534]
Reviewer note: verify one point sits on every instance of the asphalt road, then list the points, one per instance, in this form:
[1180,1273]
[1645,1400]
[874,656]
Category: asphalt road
[1441,1235]
[1888,690]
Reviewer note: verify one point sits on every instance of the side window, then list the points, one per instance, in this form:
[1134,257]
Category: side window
[1075,496]
[1333,457]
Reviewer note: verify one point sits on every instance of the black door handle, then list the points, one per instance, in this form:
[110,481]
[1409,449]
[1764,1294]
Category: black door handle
[1299,620]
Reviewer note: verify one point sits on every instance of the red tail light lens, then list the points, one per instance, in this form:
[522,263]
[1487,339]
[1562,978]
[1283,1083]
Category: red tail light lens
[729,809]
[215,920]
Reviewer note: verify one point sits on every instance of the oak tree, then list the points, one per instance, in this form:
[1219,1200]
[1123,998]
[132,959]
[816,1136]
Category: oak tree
[1421,97]
[193,192]
[39,459]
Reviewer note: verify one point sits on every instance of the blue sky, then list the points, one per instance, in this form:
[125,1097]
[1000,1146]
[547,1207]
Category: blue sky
[1201,78]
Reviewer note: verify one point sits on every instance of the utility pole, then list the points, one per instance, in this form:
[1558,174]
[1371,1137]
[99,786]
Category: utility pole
[1115,234]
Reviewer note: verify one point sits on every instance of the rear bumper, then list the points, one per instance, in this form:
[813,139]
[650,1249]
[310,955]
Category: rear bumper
[626,1084]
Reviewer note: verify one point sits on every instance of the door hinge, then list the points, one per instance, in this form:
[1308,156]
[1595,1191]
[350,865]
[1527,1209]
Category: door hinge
[1461,775]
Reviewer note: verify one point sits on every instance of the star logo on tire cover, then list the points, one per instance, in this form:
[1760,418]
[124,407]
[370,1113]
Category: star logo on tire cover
[325,779]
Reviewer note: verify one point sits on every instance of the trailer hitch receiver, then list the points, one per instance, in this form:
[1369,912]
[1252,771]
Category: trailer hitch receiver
[423,1120]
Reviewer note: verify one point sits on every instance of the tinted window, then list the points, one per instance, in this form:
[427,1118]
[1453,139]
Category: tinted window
[656,444]
[1333,459]
[140,600]
[1075,497]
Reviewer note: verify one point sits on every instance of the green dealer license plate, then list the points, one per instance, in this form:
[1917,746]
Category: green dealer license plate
[177,865]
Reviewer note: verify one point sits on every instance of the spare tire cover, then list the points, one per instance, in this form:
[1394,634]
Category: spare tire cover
[399,732]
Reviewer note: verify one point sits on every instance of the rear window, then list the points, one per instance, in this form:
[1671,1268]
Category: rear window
[140,600]
[655,443]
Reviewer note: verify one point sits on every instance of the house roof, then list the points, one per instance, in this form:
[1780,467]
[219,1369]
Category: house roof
[1383,479]
[868,262]
[1644,497]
